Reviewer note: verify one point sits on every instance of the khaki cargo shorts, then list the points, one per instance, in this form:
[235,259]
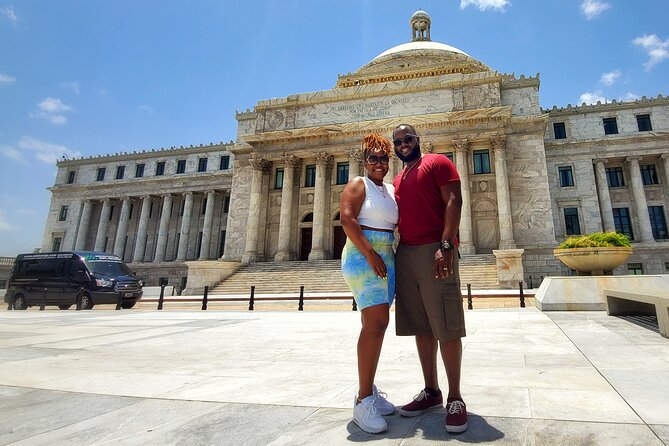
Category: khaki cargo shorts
[427,306]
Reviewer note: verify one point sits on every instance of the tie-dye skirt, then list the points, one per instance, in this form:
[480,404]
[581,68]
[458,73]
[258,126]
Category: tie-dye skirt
[367,288]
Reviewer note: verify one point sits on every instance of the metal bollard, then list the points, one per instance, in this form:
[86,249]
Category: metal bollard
[80,294]
[253,292]
[43,304]
[522,295]
[205,298]
[355,305]
[161,297]
[470,303]
[300,305]
[119,299]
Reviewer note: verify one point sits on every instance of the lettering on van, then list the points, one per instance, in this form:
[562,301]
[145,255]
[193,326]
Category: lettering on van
[102,258]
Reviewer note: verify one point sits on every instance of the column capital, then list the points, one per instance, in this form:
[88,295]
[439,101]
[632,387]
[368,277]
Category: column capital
[461,145]
[324,159]
[498,142]
[260,164]
[292,161]
[189,193]
[355,154]
[166,195]
[599,160]
[427,147]
[664,156]
[632,158]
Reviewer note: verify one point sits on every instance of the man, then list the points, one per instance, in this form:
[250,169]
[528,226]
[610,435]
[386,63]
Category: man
[429,301]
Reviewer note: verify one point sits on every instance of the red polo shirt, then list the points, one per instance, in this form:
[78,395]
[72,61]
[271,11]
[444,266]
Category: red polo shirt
[419,199]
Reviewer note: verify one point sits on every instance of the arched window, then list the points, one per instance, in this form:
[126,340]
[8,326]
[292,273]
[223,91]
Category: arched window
[336,217]
[308,218]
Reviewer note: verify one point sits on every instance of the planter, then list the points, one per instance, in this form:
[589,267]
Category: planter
[593,261]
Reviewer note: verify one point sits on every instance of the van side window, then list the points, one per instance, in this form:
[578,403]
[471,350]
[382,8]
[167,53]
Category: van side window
[75,267]
[44,268]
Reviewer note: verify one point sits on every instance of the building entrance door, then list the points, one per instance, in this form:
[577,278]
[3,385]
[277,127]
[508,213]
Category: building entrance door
[339,241]
[305,243]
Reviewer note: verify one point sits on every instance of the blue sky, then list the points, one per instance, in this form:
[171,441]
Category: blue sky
[88,77]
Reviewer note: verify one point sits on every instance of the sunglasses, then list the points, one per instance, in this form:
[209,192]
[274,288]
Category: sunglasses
[375,159]
[408,139]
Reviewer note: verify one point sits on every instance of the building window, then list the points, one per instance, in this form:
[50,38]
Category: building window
[635,269]
[160,168]
[101,174]
[657,222]
[481,161]
[649,175]
[566,176]
[614,176]
[70,177]
[226,205]
[559,130]
[622,222]
[225,162]
[62,216]
[111,213]
[643,122]
[181,166]
[203,209]
[120,172]
[666,267]
[342,173]
[202,165]
[55,246]
[132,205]
[449,155]
[139,171]
[571,224]
[150,208]
[221,248]
[310,177]
[610,126]
[278,178]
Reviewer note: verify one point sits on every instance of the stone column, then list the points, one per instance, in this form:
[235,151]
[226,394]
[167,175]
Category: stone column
[161,244]
[122,228]
[260,166]
[466,230]
[84,223]
[206,227]
[640,204]
[102,226]
[182,251]
[665,158]
[604,197]
[323,163]
[142,229]
[355,157]
[286,216]
[503,198]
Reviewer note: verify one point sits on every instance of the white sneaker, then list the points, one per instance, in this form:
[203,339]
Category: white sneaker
[384,406]
[367,416]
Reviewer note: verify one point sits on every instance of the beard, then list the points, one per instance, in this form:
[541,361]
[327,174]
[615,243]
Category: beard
[412,156]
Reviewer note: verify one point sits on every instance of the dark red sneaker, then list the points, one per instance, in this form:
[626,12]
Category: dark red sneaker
[456,417]
[421,403]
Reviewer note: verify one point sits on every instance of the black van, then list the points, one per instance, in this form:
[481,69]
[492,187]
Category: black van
[101,278]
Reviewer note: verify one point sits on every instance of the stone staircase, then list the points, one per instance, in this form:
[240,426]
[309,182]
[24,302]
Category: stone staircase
[324,276]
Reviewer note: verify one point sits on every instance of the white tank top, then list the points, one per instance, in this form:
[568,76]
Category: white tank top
[379,210]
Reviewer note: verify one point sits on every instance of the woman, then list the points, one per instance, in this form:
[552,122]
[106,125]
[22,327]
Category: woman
[369,215]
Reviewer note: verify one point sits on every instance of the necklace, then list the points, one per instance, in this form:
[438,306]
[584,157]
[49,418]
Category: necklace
[380,188]
[408,169]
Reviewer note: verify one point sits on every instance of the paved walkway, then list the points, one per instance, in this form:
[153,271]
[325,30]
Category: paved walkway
[288,378]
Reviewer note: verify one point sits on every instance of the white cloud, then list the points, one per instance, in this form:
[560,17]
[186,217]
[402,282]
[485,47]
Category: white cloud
[11,153]
[485,4]
[609,78]
[46,152]
[629,96]
[593,8]
[51,109]
[74,86]
[146,109]
[592,97]
[6,79]
[4,224]
[9,13]
[657,49]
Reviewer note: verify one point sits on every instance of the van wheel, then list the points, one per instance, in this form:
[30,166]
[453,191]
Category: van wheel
[127,305]
[20,302]
[86,302]
[64,307]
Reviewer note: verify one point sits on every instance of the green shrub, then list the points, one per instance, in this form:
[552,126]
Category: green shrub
[597,240]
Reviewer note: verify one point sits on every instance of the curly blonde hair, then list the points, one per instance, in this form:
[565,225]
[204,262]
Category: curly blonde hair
[373,141]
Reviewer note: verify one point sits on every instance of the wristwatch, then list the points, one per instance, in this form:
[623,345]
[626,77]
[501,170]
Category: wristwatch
[446,245]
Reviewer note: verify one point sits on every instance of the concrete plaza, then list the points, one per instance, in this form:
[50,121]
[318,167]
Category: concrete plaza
[287,378]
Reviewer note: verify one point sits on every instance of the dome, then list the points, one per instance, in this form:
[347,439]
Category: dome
[417,46]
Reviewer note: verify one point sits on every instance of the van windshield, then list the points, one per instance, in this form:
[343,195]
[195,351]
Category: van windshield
[107,268]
